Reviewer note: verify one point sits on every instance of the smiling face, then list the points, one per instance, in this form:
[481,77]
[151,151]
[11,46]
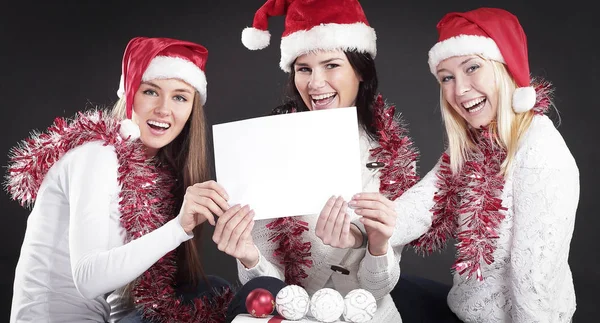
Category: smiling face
[469,87]
[326,80]
[161,108]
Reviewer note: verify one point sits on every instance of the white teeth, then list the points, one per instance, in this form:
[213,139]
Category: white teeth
[159,124]
[471,103]
[476,109]
[322,96]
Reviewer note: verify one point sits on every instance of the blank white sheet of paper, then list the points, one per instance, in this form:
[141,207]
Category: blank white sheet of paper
[289,164]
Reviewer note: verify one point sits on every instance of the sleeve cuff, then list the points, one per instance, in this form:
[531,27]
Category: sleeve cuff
[178,231]
[259,268]
[376,263]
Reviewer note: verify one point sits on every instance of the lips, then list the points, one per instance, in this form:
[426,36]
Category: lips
[322,101]
[475,105]
[158,127]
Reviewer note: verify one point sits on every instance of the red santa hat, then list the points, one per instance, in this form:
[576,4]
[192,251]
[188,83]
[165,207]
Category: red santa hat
[312,25]
[148,59]
[493,33]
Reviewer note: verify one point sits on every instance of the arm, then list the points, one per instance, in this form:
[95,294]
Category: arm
[97,268]
[545,202]
[414,209]
[380,273]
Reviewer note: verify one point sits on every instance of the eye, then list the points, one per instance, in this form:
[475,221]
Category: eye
[303,69]
[446,78]
[150,92]
[331,66]
[180,98]
[472,68]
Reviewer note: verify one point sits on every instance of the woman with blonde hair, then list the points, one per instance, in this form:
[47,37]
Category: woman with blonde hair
[119,200]
[506,188]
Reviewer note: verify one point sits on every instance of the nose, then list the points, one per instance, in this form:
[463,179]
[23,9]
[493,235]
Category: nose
[317,79]
[462,85]
[162,107]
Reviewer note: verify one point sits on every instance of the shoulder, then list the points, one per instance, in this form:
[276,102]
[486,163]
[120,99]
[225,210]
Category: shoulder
[93,155]
[94,150]
[543,146]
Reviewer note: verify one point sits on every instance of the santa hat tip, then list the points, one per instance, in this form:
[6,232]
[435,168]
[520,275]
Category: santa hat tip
[129,130]
[523,99]
[255,39]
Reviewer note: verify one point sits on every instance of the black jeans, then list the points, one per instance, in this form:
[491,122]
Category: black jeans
[214,286]
[422,300]
[238,304]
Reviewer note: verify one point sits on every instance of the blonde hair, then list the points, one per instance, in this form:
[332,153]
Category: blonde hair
[507,129]
[118,110]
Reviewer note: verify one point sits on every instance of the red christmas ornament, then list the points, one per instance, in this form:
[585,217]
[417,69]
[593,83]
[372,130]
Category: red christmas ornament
[260,302]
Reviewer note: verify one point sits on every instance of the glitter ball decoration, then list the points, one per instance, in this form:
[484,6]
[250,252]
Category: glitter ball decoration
[327,305]
[260,302]
[360,306]
[292,302]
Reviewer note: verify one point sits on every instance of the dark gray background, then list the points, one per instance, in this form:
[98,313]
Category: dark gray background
[62,57]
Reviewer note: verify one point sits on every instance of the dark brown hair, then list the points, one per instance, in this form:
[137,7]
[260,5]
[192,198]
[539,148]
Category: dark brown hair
[364,65]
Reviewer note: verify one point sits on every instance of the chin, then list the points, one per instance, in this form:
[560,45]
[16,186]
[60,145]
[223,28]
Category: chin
[153,144]
[479,125]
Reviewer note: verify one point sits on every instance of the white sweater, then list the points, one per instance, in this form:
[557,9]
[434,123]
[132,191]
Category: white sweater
[530,279]
[73,254]
[377,274]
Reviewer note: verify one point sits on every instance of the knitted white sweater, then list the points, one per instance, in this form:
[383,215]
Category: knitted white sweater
[377,274]
[530,279]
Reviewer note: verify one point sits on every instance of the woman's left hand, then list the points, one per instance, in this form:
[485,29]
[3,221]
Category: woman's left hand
[379,217]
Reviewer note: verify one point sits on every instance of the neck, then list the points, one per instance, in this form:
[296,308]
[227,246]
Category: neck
[150,152]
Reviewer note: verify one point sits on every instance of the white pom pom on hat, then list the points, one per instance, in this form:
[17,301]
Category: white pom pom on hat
[129,130]
[255,39]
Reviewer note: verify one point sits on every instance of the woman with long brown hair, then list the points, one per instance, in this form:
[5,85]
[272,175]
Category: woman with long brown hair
[119,198]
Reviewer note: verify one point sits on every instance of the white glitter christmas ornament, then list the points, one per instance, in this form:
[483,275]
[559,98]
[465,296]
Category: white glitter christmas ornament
[292,302]
[327,305]
[360,306]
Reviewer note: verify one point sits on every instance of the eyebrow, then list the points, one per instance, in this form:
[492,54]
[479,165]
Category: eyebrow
[158,87]
[461,64]
[327,61]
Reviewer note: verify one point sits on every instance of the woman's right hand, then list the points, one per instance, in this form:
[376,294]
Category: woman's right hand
[201,202]
[233,235]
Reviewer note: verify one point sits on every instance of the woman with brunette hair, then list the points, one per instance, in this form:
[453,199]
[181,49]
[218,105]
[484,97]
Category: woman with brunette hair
[118,200]
[329,48]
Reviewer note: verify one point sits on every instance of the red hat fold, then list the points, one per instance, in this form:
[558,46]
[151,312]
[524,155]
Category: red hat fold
[312,25]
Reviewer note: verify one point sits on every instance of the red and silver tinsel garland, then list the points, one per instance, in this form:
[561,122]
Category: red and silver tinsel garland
[395,151]
[292,251]
[473,193]
[146,204]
